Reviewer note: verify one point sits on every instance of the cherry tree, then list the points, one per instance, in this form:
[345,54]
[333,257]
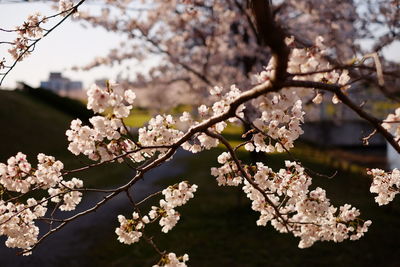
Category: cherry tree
[211,43]
[257,63]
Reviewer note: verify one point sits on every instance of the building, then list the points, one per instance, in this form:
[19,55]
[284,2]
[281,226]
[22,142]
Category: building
[63,86]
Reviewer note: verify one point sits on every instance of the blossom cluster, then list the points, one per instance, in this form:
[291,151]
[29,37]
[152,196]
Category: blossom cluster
[107,139]
[171,260]
[15,175]
[179,194]
[104,141]
[17,220]
[169,217]
[224,101]
[159,131]
[163,130]
[227,174]
[29,30]
[70,197]
[279,123]
[386,185]
[64,6]
[309,64]
[221,105]
[175,196]
[392,123]
[284,199]
[32,30]
[130,230]
[113,97]
[18,175]
[303,61]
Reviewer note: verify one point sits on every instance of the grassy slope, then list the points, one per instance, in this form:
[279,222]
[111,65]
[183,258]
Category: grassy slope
[31,126]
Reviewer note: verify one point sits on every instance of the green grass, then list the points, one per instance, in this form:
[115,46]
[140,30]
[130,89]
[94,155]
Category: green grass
[138,118]
[31,126]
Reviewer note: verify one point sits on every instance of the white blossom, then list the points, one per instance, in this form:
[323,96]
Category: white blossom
[171,260]
[386,185]
[130,230]
[65,192]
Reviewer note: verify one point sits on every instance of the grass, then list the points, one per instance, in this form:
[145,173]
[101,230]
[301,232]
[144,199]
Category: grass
[31,126]
[137,118]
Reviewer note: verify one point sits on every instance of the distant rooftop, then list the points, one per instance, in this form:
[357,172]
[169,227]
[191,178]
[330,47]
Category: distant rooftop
[58,83]
[55,75]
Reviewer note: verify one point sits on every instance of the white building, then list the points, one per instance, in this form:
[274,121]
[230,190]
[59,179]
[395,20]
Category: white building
[62,85]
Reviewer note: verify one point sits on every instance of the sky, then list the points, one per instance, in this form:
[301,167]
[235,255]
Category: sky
[72,45]
[68,45]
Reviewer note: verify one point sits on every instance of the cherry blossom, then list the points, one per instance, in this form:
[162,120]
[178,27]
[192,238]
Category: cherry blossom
[312,217]
[180,194]
[222,54]
[171,260]
[17,222]
[386,185]
[175,196]
[130,229]
[69,197]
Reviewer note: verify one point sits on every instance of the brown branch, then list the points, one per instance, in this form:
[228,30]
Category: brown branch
[148,197]
[72,218]
[201,127]
[280,53]
[247,176]
[336,89]
[147,38]
[113,159]
[271,34]
[249,20]
[148,239]
[308,170]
